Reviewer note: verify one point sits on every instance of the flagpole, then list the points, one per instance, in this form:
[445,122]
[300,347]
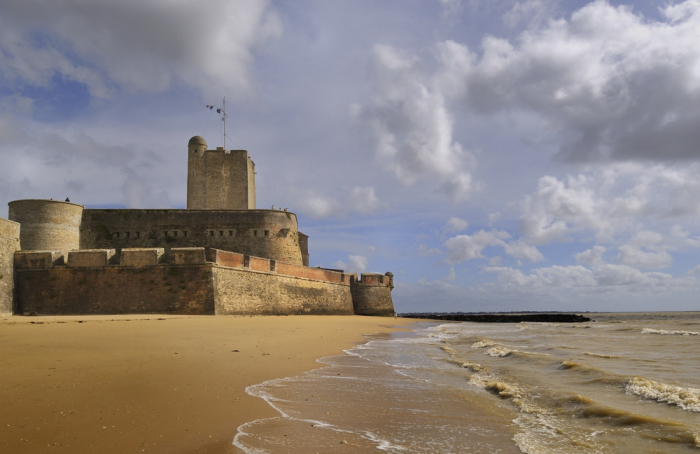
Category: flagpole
[224,122]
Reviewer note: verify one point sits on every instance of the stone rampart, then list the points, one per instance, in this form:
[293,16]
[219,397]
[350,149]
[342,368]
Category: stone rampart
[9,243]
[244,292]
[90,258]
[270,234]
[162,289]
[47,225]
[38,259]
[139,257]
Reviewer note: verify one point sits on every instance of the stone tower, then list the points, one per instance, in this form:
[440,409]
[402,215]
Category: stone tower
[219,179]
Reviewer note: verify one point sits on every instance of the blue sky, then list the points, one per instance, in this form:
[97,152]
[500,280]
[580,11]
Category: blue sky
[494,155]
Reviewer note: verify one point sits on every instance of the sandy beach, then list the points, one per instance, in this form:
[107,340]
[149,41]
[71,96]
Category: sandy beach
[151,383]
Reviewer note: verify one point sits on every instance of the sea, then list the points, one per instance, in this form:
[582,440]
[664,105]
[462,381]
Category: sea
[623,383]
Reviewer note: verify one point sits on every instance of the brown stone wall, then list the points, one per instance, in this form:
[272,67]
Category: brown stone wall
[269,234]
[219,179]
[139,257]
[9,243]
[47,225]
[309,273]
[243,292]
[165,289]
[224,258]
[258,264]
[372,299]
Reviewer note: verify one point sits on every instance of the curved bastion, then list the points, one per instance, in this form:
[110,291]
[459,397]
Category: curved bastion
[272,234]
[47,225]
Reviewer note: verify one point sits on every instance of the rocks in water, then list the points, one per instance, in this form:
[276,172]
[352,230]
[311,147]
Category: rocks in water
[503,318]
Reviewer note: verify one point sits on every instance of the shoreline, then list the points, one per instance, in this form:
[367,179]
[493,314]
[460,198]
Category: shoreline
[154,383]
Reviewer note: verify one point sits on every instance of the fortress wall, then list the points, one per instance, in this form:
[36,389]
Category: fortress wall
[270,234]
[258,264]
[163,289]
[225,258]
[243,292]
[139,257]
[9,243]
[309,273]
[372,299]
[47,224]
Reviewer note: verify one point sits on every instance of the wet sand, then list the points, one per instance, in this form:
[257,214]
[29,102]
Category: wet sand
[152,383]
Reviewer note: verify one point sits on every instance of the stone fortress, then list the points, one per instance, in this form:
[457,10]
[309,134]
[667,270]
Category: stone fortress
[219,256]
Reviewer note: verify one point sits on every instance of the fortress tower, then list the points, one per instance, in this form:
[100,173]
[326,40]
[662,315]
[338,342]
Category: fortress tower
[219,179]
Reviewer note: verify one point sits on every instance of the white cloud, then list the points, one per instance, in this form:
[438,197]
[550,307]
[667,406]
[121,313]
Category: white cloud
[603,278]
[593,256]
[134,45]
[609,202]
[317,206]
[645,251]
[493,217]
[363,200]
[355,264]
[469,247]
[411,126]
[456,225]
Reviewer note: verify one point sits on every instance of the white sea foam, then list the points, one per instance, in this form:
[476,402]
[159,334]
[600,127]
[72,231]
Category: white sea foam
[499,352]
[684,398]
[669,333]
[599,355]
[482,344]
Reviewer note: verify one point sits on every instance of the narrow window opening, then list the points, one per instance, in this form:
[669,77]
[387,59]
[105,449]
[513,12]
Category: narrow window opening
[211,233]
[174,232]
[127,234]
[255,233]
[165,234]
[138,234]
[221,233]
[116,235]
[184,233]
[267,233]
[230,233]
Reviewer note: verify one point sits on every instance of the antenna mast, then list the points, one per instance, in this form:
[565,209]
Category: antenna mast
[224,119]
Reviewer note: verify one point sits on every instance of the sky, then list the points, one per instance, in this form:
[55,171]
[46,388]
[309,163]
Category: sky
[494,155]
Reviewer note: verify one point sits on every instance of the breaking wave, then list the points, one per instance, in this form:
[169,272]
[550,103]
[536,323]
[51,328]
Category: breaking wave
[669,333]
[684,398]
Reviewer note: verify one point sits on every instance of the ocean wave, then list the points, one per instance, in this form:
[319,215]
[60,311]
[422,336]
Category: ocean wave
[482,344]
[454,359]
[499,352]
[687,399]
[669,333]
[599,355]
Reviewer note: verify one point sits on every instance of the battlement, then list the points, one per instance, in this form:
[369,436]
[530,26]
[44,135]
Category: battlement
[144,257]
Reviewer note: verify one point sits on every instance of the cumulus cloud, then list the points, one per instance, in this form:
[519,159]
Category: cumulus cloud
[593,256]
[645,251]
[411,125]
[610,83]
[456,225]
[602,278]
[355,264]
[361,200]
[469,247]
[133,45]
[608,202]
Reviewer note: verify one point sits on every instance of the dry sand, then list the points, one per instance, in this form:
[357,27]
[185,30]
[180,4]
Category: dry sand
[130,384]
